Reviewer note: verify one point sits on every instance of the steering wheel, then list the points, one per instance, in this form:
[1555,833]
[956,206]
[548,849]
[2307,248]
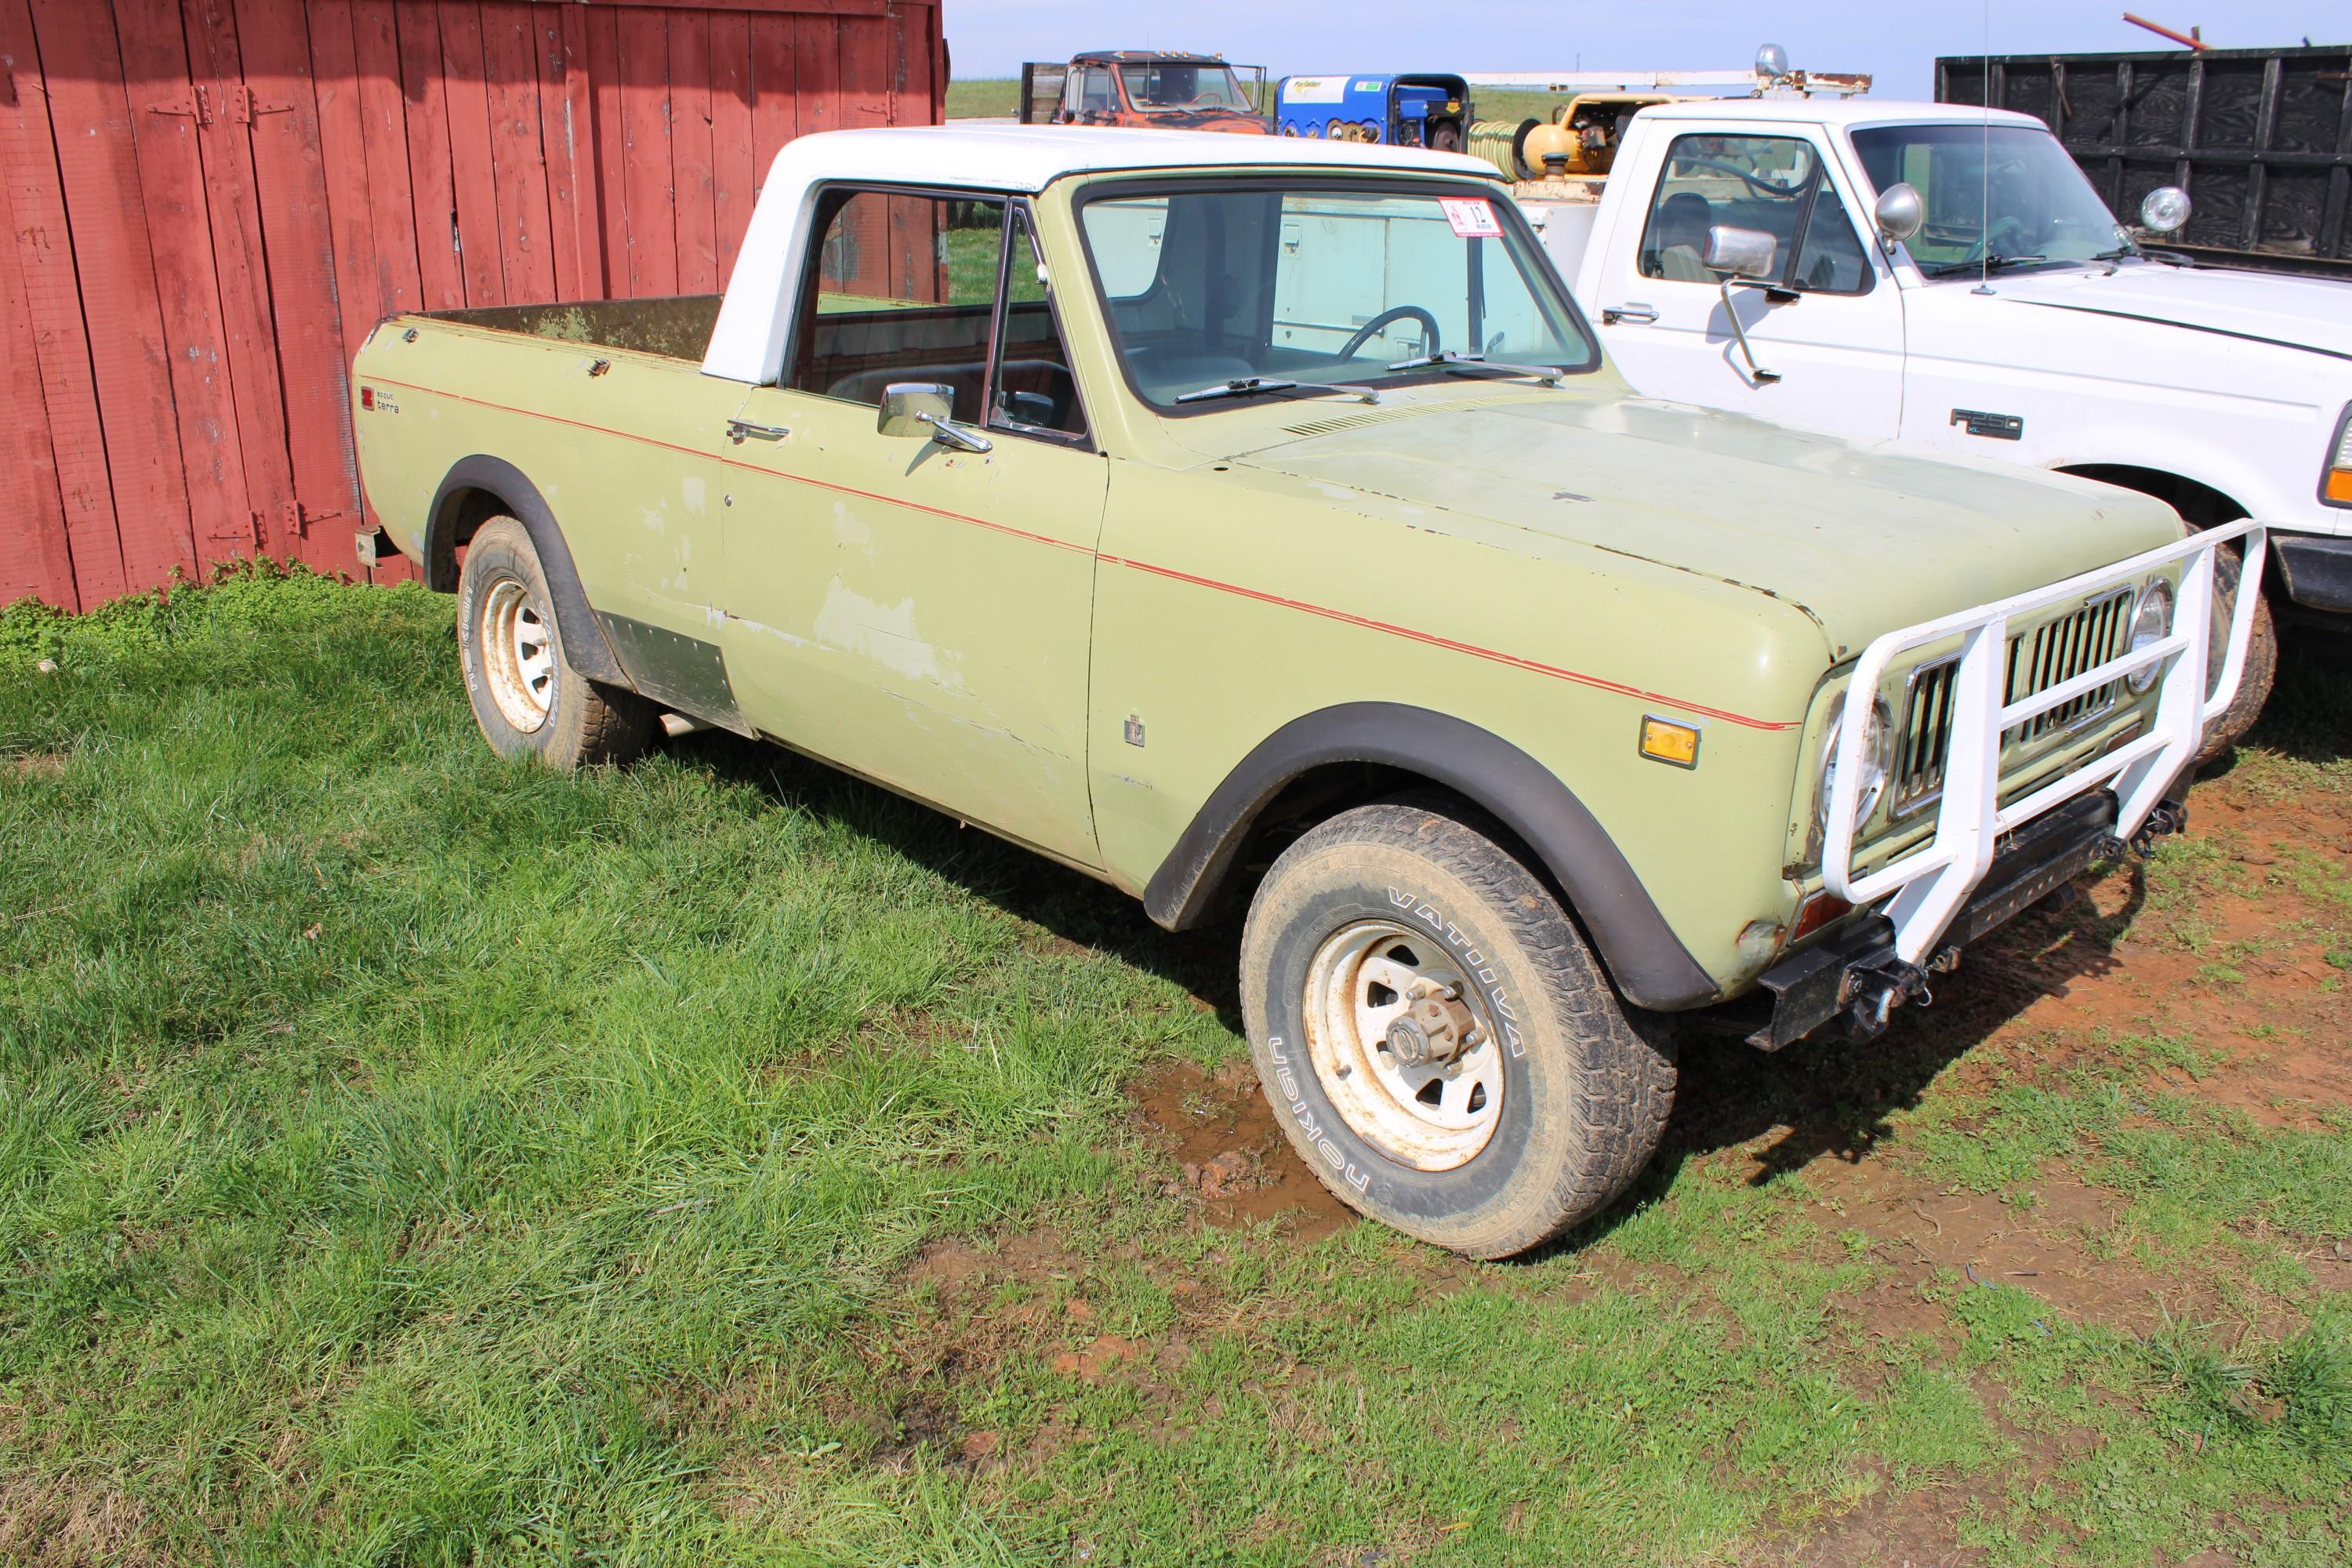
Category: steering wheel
[2007,226]
[1372,329]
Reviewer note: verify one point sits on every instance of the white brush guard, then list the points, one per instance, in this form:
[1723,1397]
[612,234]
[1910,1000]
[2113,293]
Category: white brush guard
[1928,886]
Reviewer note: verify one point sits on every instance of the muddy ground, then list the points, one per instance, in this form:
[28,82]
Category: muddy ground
[2229,947]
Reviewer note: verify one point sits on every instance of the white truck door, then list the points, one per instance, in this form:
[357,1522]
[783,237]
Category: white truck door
[1825,323]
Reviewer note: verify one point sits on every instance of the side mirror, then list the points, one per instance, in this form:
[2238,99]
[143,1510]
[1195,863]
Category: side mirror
[2165,210]
[1741,252]
[1899,213]
[914,407]
[926,409]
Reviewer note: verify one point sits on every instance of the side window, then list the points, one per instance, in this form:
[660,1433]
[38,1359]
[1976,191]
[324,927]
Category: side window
[902,287]
[1831,259]
[1035,392]
[1094,91]
[1774,185]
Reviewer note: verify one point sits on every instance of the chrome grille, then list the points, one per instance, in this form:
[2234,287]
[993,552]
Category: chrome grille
[1925,735]
[2060,650]
[2054,651]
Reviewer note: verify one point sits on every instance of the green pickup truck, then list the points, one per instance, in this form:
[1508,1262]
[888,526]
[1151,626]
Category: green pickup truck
[1256,524]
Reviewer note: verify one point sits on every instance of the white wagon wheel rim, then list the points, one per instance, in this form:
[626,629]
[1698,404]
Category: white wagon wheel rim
[518,654]
[1403,1045]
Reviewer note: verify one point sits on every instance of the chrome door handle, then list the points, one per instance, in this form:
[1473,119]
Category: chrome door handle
[737,429]
[1612,314]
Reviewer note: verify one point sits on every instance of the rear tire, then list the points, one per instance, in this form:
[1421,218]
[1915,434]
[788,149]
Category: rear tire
[527,699]
[2229,726]
[1487,1121]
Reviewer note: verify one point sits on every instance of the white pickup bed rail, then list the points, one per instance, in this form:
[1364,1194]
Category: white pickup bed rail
[1928,886]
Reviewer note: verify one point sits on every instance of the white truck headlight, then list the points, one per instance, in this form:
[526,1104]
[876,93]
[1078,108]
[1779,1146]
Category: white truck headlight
[2151,623]
[2336,484]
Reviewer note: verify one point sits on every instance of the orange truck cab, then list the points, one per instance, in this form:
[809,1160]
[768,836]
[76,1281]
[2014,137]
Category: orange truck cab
[1165,90]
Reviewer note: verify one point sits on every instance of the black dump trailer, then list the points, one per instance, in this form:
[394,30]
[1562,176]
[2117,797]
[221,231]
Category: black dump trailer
[2260,139]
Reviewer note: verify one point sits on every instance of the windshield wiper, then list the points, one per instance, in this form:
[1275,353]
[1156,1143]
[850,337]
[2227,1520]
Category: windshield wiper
[1456,364]
[1982,264]
[1251,385]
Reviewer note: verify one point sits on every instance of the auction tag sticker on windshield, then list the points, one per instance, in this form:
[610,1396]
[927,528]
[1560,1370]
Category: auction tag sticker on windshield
[1472,219]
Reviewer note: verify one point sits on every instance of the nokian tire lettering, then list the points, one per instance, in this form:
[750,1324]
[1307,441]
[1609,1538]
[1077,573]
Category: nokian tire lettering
[1582,1084]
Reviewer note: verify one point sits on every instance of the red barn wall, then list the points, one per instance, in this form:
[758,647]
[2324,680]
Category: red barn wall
[208,203]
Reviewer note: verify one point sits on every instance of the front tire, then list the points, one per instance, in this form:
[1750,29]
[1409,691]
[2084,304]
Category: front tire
[1437,1041]
[2229,725]
[527,699]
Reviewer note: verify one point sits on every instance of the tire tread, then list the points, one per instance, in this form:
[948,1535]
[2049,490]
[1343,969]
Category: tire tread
[1625,1070]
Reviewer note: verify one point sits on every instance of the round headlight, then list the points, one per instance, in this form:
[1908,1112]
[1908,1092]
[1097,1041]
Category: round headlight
[1875,745]
[2151,623]
[2165,210]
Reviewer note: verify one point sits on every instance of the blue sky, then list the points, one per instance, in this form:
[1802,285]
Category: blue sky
[1896,40]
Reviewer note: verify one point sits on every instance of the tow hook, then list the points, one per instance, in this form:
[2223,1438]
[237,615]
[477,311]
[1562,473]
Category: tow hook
[2169,817]
[1873,994]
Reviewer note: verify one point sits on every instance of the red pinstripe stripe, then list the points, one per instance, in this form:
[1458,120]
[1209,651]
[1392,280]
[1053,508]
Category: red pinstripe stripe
[1535,666]
[736,463]
[1432,639]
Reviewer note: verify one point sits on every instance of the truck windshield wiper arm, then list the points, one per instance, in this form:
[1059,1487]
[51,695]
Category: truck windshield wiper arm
[1982,264]
[1251,385]
[1457,363]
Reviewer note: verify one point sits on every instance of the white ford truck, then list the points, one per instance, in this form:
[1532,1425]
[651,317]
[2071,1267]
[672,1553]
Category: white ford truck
[1947,277]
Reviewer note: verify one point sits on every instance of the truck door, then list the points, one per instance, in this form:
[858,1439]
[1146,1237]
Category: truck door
[918,614]
[1826,321]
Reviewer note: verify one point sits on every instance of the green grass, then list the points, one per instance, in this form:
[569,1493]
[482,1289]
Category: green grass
[983,98]
[409,1157]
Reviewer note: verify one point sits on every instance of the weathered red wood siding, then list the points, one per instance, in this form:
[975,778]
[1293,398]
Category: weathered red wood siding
[209,203]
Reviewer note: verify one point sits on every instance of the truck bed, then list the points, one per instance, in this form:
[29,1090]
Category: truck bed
[674,326]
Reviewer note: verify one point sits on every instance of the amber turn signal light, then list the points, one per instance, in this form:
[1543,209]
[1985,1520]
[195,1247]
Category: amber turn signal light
[1664,740]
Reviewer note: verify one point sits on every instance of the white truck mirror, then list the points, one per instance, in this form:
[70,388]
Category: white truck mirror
[1741,252]
[1899,213]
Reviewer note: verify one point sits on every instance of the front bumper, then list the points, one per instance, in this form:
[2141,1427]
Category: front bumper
[1856,972]
[2317,570]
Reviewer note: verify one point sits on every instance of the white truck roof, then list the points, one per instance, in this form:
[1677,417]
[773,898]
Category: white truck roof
[1841,112]
[747,342]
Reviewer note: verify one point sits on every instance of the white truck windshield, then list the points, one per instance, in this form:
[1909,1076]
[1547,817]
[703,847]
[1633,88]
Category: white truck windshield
[1320,286]
[2003,195]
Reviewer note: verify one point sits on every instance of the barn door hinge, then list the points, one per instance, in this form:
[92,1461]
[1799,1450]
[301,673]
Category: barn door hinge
[197,104]
[296,518]
[243,106]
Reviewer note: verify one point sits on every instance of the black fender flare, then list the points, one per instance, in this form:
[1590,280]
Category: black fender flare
[584,647]
[1648,961]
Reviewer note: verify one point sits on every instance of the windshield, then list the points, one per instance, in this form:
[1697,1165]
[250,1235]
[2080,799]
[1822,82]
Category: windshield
[2035,205]
[1164,86]
[1320,285]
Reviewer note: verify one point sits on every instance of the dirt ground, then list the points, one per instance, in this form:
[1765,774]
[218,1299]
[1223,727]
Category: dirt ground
[2230,953]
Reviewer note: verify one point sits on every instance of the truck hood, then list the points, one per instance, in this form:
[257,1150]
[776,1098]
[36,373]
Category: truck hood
[1859,540]
[1232,121]
[2313,314]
